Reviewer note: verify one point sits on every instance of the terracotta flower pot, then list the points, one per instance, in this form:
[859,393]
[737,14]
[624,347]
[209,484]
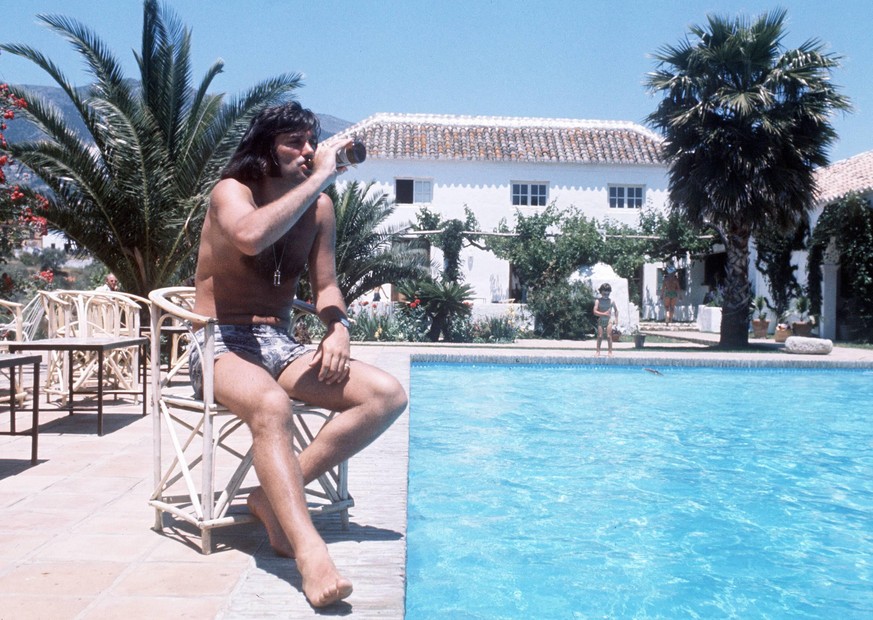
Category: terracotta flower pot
[781,334]
[801,328]
[760,327]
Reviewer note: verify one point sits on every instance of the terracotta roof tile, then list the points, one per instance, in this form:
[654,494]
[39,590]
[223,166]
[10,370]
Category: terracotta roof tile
[843,177]
[493,138]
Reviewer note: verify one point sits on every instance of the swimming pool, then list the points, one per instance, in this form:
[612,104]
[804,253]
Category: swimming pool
[547,491]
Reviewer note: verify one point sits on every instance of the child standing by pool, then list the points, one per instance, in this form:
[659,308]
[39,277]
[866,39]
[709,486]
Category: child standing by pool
[604,309]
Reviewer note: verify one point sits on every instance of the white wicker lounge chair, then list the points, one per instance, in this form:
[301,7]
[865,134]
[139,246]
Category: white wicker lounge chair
[225,447]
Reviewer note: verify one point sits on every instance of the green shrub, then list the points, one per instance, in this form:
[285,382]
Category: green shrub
[411,322]
[494,330]
[368,327]
[439,306]
[562,310]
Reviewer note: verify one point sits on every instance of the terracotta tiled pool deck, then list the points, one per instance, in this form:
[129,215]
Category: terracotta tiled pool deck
[75,537]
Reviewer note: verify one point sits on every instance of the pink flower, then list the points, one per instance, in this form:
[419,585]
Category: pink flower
[47,276]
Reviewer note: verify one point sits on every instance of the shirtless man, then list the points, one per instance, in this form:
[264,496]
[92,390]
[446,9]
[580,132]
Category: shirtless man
[267,219]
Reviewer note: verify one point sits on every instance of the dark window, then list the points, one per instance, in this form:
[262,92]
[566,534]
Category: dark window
[403,190]
[413,191]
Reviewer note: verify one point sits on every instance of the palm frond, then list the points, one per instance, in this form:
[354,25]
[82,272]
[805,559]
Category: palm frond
[55,73]
[103,65]
[134,192]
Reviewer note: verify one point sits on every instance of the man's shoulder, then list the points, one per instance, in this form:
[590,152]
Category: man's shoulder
[323,207]
[230,184]
[231,191]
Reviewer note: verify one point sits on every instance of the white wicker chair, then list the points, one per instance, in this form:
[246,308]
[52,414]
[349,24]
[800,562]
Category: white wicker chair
[20,322]
[12,328]
[179,418]
[93,314]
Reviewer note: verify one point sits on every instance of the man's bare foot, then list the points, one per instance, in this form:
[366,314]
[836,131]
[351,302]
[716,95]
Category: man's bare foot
[260,507]
[322,583]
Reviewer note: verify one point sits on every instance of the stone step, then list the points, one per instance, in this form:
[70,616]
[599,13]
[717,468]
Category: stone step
[660,326]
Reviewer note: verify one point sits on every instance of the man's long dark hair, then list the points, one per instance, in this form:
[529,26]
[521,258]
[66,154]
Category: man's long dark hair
[254,158]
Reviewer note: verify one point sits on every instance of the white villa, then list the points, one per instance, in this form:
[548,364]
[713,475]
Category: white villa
[497,165]
[607,169]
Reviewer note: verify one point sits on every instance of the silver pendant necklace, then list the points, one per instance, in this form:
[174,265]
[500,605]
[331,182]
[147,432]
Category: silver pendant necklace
[277,275]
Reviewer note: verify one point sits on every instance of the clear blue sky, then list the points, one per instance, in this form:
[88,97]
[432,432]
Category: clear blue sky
[545,58]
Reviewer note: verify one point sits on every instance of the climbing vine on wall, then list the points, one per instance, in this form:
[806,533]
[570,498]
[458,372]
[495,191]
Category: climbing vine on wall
[849,223]
[452,236]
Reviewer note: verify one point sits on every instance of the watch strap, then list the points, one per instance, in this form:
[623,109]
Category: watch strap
[344,321]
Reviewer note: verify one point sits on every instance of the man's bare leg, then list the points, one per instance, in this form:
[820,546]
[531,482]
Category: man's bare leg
[259,506]
[370,400]
[265,408]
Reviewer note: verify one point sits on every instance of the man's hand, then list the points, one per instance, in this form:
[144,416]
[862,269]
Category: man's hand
[326,153]
[333,355]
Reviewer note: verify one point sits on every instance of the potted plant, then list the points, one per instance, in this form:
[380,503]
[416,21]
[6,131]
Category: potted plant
[802,326]
[760,324]
[783,329]
[639,338]
[615,334]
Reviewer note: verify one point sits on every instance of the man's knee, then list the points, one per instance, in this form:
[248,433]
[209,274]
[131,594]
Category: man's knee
[270,412]
[390,394]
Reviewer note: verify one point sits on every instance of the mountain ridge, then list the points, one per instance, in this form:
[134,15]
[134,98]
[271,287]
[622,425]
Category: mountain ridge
[22,130]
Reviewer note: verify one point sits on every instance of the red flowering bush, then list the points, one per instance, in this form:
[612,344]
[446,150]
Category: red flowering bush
[20,218]
[8,104]
[47,276]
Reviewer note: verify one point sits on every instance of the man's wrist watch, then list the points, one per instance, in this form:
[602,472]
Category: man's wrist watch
[344,321]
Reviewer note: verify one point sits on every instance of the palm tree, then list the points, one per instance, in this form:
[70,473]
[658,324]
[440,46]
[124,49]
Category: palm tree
[133,190]
[366,254]
[444,301]
[745,124]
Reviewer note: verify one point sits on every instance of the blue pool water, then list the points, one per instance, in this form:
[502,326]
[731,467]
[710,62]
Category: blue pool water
[545,491]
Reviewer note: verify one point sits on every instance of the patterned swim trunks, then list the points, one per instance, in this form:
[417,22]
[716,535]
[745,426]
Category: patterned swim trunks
[273,347]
